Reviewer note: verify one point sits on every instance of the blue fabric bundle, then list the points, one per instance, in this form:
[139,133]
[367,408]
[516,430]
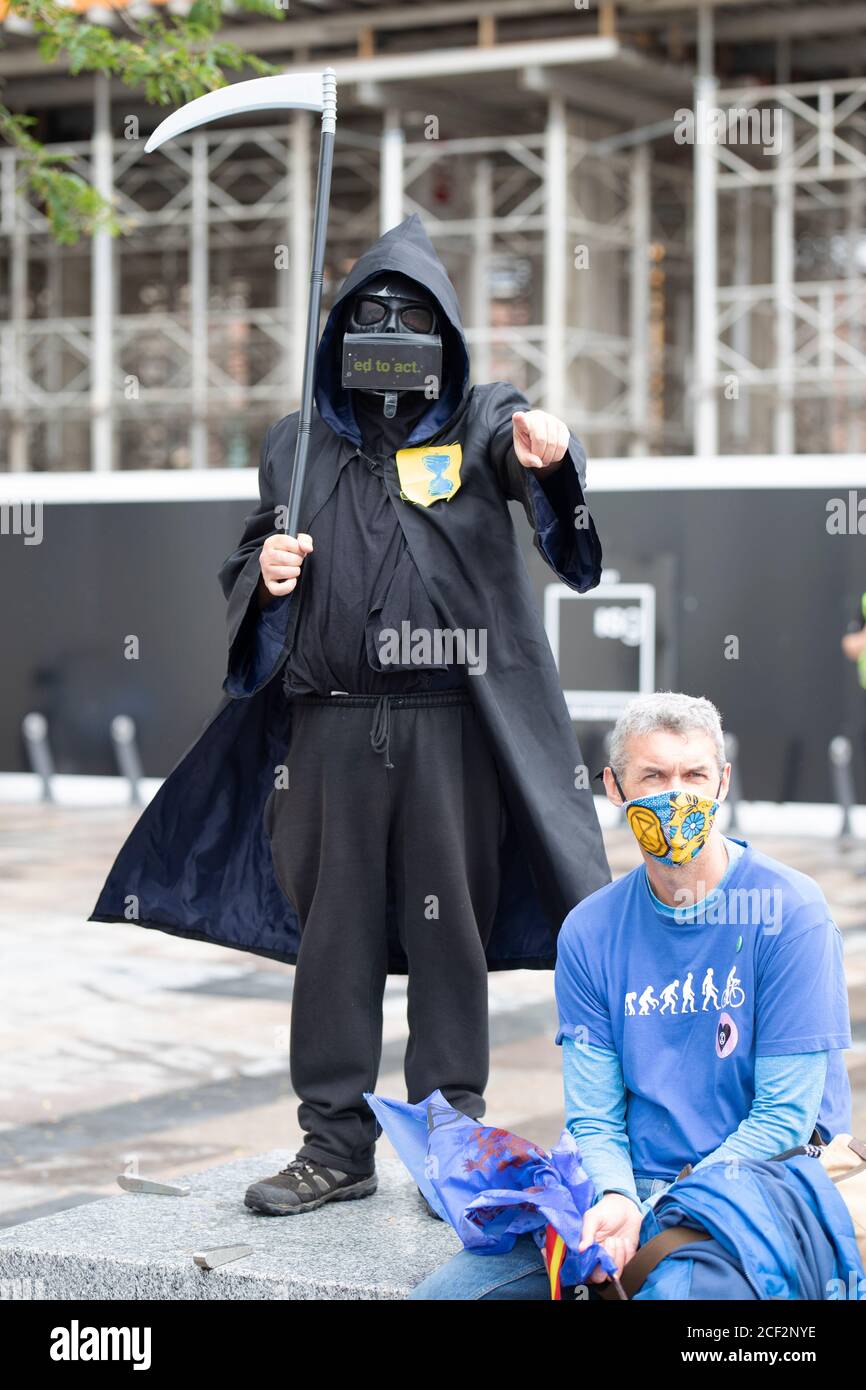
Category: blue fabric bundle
[492,1186]
[780,1230]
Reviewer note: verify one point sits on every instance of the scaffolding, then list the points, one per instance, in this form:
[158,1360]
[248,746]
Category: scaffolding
[662,297]
[788,323]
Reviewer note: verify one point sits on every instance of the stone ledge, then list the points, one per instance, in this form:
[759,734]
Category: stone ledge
[140,1245]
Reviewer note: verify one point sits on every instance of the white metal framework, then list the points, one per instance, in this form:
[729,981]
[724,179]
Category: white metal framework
[661,297]
[791,335]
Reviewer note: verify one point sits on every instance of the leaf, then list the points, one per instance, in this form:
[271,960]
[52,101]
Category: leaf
[172,58]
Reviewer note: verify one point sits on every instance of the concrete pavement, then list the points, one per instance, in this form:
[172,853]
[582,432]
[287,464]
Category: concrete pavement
[124,1049]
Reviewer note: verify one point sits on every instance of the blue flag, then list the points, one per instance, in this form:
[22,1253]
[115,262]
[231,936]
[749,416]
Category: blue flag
[490,1185]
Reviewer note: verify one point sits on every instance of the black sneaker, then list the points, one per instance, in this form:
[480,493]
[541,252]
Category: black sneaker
[304,1185]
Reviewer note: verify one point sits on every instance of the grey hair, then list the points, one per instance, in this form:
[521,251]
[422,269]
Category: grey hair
[667,709]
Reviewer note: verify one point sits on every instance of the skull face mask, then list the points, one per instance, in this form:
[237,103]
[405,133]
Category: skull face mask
[392,341]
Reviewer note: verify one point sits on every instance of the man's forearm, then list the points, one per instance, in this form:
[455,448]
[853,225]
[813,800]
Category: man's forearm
[788,1091]
[548,469]
[595,1116]
[606,1158]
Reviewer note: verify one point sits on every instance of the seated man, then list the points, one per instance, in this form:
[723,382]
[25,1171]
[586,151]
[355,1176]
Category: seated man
[702,1001]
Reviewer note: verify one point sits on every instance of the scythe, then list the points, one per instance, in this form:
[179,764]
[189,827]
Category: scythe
[306,91]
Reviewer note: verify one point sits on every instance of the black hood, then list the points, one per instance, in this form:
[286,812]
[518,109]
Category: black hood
[407,249]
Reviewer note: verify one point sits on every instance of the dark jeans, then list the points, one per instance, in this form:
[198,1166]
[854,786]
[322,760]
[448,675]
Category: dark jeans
[518,1275]
[348,833]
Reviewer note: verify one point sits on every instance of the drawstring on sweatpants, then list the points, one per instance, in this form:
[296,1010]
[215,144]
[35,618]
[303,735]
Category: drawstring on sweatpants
[380,729]
[382,706]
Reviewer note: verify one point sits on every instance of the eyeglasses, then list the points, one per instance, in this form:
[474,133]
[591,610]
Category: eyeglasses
[415,318]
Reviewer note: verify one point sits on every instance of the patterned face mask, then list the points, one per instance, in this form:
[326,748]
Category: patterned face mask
[672,826]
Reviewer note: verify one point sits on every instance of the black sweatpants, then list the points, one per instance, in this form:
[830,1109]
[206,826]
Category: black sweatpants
[398,796]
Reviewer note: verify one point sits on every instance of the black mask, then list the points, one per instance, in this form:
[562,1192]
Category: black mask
[392,341]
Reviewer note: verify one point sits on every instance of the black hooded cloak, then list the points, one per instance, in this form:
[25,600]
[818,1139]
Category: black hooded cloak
[198,862]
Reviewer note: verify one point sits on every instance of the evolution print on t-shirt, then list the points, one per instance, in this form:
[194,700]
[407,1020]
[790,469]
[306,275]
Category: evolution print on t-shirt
[680,997]
[668,999]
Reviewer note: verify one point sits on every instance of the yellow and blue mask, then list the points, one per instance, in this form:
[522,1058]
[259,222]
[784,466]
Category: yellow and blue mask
[672,826]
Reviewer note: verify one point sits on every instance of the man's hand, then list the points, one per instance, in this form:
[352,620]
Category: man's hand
[615,1223]
[540,440]
[280,560]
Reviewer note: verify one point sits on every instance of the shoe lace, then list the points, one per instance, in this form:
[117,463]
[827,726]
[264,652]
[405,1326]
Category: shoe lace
[298,1166]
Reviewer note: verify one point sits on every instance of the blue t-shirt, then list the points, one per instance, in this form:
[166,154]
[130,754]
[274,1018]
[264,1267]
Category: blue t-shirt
[688,1001]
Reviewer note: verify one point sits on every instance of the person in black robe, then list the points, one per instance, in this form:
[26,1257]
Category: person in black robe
[392,782]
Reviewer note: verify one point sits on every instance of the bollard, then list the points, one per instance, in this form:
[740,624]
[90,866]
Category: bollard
[126,754]
[735,789]
[841,755]
[35,730]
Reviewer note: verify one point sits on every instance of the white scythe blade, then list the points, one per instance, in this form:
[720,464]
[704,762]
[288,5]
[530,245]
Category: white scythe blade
[285,91]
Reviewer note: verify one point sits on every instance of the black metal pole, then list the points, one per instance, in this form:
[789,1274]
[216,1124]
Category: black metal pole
[127,755]
[841,757]
[320,233]
[35,730]
[735,791]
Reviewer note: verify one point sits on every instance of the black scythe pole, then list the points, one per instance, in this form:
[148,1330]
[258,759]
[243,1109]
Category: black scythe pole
[285,91]
[320,233]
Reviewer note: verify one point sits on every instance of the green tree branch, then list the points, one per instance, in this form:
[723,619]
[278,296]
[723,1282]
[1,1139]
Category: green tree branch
[171,59]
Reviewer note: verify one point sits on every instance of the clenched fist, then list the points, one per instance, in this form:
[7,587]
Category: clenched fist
[280,559]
